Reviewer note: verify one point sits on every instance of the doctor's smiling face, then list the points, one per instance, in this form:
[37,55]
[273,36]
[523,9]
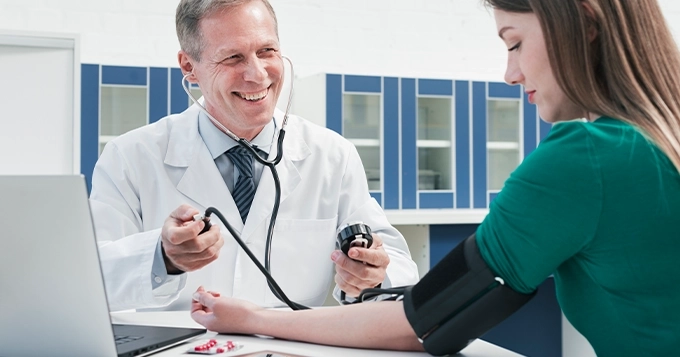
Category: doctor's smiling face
[529,65]
[240,71]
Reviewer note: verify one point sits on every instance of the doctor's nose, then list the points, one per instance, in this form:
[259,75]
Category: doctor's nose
[255,70]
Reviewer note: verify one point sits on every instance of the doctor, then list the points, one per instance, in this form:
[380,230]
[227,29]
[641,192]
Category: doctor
[149,183]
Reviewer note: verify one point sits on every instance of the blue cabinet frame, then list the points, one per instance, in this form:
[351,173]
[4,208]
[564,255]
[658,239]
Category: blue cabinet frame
[412,89]
[336,86]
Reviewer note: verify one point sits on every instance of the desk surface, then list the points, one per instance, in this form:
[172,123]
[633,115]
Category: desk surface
[253,344]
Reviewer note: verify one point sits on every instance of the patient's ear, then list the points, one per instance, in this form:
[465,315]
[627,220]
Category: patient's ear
[592,20]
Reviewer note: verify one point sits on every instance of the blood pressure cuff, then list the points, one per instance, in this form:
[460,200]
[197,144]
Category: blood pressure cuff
[459,300]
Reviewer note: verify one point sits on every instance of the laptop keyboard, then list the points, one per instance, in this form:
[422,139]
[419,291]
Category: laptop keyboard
[125,339]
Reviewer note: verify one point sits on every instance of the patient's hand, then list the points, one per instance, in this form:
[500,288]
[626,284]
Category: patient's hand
[223,314]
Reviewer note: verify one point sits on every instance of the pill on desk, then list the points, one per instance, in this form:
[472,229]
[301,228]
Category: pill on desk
[212,346]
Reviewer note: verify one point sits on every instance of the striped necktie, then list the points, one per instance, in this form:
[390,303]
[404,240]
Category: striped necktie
[244,191]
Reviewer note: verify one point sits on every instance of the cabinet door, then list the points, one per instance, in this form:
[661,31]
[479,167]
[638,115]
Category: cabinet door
[497,138]
[427,143]
[504,150]
[123,108]
[115,99]
[354,108]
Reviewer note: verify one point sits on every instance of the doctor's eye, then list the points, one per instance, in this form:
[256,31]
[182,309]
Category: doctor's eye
[230,59]
[267,51]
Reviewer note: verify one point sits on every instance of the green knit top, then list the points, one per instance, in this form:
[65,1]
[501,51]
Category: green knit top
[598,205]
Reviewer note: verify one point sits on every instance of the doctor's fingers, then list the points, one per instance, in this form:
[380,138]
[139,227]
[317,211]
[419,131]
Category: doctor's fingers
[198,249]
[177,234]
[183,213]
[189,262]
[360,275]
[193,261]
[200,243]
[349,289]
[375,255]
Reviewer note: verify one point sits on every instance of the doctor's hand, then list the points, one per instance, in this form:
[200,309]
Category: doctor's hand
[183,248]
[367,270]
[223,314]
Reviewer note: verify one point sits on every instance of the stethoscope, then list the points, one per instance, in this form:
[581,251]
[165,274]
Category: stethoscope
[273,286]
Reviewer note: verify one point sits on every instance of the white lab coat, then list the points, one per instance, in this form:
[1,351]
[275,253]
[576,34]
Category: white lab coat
[145,174]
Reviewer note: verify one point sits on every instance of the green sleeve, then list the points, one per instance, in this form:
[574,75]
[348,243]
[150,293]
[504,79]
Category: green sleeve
[547,211]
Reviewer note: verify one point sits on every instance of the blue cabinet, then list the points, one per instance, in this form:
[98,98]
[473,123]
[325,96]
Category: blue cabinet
[428,174]
[435,143]
[355,108]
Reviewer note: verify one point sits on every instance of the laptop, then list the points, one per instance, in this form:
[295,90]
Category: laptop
[52,296]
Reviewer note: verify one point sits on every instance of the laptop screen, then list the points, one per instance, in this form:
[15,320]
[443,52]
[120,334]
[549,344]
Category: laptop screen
[52,286]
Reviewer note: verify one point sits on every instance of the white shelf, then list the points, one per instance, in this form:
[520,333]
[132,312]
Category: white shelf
[436,216]
[365,142]
[103,139]
[109,85]
[502,145]
[433,143]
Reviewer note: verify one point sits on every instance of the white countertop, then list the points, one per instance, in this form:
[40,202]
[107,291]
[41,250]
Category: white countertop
[253,344]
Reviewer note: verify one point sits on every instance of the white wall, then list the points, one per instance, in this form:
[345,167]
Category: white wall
[432,38]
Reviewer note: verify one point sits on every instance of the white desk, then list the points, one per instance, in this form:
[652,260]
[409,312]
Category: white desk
[253,344]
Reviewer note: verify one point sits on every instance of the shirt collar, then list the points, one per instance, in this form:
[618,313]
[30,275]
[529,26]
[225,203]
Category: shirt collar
[219,142]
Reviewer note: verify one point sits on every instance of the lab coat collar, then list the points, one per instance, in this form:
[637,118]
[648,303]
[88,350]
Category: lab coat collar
[184,141]
[202,181]
[187,149]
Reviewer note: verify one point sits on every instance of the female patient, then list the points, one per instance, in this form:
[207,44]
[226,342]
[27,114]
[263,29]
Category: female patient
[596,204]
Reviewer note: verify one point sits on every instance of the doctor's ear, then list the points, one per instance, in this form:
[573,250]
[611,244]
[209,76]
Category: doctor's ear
[185,64]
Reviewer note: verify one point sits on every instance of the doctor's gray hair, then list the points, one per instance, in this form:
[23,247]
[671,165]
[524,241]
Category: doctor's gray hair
[188,17]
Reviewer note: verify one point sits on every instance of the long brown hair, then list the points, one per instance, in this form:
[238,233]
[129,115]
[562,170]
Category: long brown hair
[631,71]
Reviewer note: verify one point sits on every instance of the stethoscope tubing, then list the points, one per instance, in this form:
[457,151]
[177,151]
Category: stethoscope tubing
[271,164]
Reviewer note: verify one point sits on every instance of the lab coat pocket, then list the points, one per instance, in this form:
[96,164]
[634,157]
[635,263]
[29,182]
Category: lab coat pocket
[300,259]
